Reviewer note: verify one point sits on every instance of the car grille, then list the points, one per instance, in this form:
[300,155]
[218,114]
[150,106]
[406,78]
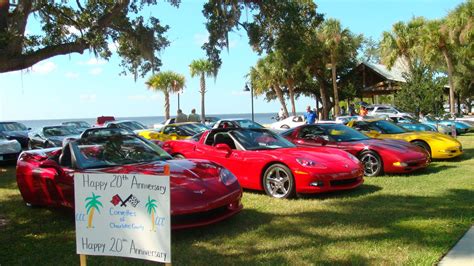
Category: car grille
[185,219]
[343,182]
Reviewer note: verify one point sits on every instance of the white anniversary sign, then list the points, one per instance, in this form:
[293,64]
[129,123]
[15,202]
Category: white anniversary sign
[123,215]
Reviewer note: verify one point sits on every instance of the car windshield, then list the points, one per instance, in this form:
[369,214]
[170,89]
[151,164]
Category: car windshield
[133,125]
[13,126]
[59,131]
[97,152]
[199,127]
[388,127]
[340,133]
[260,139]
[245,123]
[430,119]
[77,124]
[191,129]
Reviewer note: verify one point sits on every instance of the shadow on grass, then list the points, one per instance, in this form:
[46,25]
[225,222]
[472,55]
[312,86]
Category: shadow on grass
[302,235]
[433,168]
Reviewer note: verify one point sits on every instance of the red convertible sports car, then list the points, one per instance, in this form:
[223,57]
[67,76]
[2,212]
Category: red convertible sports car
[202,192]
[263,160]
[377,155]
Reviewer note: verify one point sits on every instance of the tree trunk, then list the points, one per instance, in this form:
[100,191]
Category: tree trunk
[153,220]
[291,91]
[203,92]
[449,63]
[91,216]
[324,100]
[279,94]
[334,86]
[167,105]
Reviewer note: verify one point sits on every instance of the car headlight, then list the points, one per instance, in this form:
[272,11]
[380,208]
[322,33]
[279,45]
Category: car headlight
[226,177]
[309,163]
[353,158]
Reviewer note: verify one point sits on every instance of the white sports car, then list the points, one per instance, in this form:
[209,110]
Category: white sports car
[289,122]
[9,149]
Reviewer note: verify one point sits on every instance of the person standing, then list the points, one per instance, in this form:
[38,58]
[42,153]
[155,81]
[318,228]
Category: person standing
[193,117]
[310,116]
[363,111]
[180,118]
[351,110]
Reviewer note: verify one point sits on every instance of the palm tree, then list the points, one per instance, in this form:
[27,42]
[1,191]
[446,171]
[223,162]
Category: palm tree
[436,41]
[202,68]
[402,42]
[265,77]
[333,36]
[92,204]
[151,209]
[167,82]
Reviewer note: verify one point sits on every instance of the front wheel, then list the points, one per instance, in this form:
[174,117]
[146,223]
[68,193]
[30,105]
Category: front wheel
[278,182]
[372,163]
[423,145]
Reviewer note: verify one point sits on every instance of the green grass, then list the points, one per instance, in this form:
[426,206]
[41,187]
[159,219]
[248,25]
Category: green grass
[390,220]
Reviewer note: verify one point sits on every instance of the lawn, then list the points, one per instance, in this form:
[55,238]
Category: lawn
[390,220]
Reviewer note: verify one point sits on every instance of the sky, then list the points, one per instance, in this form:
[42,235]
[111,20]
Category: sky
[82,86]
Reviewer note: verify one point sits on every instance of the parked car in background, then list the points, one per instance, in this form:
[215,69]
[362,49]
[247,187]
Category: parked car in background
[102,119]
[78,125]
[164,123]
[378,156]
[132,125]
[9,149]
[237,123]
[175,131]
[15,131]
[461,127]
[51,136]
[202,192]
[411,124]
[289,122]
[263,160]
[380,109]
[211,120]
[439,146]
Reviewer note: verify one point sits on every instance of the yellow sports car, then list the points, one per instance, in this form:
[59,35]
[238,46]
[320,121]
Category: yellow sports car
[440,146]
[176,131]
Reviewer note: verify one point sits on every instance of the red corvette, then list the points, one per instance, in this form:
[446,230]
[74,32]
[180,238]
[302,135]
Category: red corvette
[377,155]
[202,192]
[263,160]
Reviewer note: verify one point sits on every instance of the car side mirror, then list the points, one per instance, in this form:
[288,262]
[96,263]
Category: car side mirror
[29,128]
[224,147]
[173,136]
[51,164]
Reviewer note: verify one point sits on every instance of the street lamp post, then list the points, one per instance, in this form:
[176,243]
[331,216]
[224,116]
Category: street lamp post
[251,98]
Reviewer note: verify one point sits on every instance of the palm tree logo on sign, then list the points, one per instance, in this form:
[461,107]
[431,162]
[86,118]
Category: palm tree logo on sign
[151,209]
[92,204]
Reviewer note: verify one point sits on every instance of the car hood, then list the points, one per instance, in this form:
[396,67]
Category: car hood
[9,146]
[16,134]
[195,184]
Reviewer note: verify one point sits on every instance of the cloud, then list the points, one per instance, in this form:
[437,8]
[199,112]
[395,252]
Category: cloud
[201,38]
[71,75]
[113,46]
[93,62]
[88,98]
[73,30]
[44,68]
[96,71]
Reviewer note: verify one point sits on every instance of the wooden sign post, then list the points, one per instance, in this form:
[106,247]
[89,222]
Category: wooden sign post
[126,215]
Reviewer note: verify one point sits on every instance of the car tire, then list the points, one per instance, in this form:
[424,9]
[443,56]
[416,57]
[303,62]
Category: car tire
[285,126]
[423,145]
[373,165]
[178,156]
[278,182]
